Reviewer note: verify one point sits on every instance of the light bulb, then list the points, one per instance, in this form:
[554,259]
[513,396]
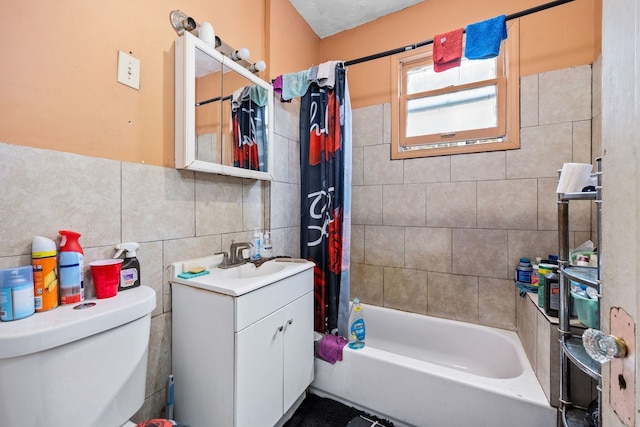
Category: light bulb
[206,33]
[258,66]
[240,54]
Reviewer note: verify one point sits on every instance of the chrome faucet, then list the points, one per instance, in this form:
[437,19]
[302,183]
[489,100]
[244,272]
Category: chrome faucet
[234,257]
[235,253]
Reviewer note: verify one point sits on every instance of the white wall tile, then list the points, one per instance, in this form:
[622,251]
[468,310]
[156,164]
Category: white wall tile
[46,191]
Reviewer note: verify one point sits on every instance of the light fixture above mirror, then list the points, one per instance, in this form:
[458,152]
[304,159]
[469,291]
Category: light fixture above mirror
[182,22]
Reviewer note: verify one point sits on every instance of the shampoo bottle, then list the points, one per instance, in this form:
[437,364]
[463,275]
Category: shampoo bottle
[130,271]
[356,326]
[71,268]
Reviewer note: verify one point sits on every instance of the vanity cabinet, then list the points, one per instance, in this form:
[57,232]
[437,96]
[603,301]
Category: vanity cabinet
[572,349]
[242,360]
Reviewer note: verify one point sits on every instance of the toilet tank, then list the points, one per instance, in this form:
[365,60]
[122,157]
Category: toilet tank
[81,364]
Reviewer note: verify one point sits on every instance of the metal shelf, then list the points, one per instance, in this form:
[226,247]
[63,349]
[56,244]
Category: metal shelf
[575,351]
[573,417]
[587,195]
[585,275]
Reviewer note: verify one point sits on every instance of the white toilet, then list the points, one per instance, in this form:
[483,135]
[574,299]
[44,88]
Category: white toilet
[74,366]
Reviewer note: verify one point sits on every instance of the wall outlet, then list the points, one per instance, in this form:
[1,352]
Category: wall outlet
[128,70]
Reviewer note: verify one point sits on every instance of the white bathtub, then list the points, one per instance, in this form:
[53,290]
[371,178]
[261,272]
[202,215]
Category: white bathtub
[424,371]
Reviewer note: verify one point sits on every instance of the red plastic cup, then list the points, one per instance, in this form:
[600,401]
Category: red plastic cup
[106,276]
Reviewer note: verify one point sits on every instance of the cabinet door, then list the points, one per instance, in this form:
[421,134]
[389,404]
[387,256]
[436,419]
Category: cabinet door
[258,394]
[298,348]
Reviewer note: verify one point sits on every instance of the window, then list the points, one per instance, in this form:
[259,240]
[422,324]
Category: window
[466,109]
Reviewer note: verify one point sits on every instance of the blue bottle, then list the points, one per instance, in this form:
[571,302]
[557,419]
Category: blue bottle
[356,326]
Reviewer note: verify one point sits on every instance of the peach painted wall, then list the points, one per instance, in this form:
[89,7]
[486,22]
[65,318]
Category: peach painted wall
[58,78]
[293,46]
[557,38]
[58,73]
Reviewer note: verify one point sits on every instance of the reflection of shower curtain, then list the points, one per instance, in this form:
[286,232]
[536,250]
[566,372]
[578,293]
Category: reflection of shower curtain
[325,158]
[248,122]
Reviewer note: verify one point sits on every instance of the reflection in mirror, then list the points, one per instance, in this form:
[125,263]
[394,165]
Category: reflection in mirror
[209,101]
[244,123]
[224,114]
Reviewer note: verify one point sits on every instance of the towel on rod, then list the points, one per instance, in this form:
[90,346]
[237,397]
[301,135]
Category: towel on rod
[277,85]
[295,84]
[327,74]
[447,50]
[484,38]
[313,74]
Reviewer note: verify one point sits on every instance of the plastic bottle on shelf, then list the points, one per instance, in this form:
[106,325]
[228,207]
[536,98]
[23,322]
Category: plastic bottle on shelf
[356,326]
[524,270]
[534,275]
[130,271]
[551,294]
[545,267]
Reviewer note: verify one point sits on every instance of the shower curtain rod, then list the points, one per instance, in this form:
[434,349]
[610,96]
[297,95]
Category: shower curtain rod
[428,42]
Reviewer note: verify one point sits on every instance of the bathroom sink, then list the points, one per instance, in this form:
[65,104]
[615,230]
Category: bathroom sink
[248,270]
[238,280]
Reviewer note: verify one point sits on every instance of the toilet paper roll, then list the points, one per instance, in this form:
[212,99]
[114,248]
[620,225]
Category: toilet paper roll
[574,177]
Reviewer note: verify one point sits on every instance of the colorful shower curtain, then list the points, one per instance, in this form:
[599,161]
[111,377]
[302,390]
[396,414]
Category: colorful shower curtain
[248,128]
[325,230]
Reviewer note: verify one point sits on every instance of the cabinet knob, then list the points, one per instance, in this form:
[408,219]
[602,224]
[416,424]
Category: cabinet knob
[280,328]
[290,321]
[602,347]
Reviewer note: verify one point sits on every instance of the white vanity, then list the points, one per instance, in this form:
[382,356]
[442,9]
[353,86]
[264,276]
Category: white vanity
[242,342]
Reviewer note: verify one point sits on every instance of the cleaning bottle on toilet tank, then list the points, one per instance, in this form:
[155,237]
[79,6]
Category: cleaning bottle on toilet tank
[130,271]
[71,266]
[356,325]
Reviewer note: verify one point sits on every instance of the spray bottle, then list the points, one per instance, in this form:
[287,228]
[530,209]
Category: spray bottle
[44,261]
[71,268]
[130,272]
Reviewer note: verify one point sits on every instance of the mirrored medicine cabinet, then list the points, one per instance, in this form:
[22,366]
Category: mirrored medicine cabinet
[223,114]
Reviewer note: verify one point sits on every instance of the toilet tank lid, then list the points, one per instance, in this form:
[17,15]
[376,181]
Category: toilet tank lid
[65,324]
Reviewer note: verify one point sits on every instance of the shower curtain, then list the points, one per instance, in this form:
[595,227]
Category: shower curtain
[325,229]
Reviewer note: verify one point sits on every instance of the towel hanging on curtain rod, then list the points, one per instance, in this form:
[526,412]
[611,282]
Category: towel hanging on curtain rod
[430,41]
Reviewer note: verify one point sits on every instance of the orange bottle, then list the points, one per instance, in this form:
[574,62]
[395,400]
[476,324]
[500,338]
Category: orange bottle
[45,273]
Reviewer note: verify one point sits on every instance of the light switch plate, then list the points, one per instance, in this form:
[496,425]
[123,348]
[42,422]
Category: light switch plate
[623,370]
[128,70]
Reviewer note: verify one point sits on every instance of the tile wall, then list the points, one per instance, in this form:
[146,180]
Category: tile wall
[538,333]
[174,215]
[442,235]
[438,236]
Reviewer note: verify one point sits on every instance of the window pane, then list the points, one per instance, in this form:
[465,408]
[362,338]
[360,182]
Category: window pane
[422,78]
[452,112]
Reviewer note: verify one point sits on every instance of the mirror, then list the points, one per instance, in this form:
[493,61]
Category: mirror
[224,114]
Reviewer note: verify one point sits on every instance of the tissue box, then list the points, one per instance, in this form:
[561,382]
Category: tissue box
[587,309]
